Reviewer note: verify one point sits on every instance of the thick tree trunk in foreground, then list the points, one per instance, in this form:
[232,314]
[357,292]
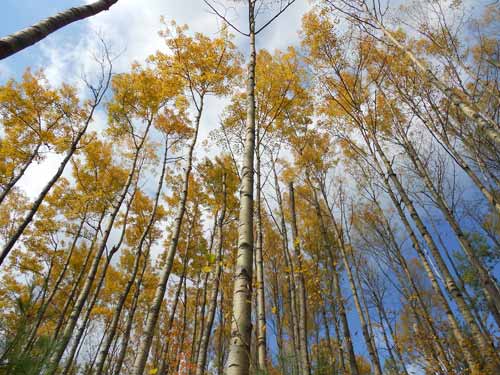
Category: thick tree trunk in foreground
[18,41]
[238,362]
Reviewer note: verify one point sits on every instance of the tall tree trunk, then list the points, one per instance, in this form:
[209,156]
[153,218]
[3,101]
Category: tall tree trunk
[131,313]
[300,282]
[241,326]
[84,293]
[205,338]
[100,282]
[414,290]
[362,319]
[110,333]
[163,364]
[353,367]
[144,347]
[74,288]
[43,308]
[261,303]
[490,289]
[449,282]
[18,41]
[98,95]
[290,276]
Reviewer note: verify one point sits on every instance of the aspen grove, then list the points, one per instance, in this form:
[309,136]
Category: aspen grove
[340,217]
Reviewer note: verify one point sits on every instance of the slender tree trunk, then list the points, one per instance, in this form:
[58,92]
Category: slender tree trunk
[131,313]
[353,367]
[326,327]
[275,288]
[414,290]
[489,286]
[302,298]
[144,347]
[82,298]
[448,279]
[93,301]
[340,344]
[202,356]
[261,303]
[38,201]
[14,179]
[290,277]
[362,319]
[74,288]
[238,362]
[163,364]
[383,317]
[14,43]
[199,324]
[55,288]
[111,331]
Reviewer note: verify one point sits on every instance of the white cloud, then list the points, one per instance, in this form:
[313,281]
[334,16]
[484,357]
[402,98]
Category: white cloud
[131,27]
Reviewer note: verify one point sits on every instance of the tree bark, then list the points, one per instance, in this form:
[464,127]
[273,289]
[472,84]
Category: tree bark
[238,362]
[143,351]
[448,279]
[202,355]
[261,303]
[24,38]
[98,95]
[82,298]
[110,333]
[300,282]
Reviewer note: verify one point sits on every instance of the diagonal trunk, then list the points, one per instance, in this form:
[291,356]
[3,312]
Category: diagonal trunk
[443,268]
[110,333]
[490,289]
[80,331]
[69,154]
[131,313]
[24,38]
[143,351]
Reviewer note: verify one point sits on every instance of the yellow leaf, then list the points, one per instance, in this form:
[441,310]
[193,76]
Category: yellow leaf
[153,371]
[206,269]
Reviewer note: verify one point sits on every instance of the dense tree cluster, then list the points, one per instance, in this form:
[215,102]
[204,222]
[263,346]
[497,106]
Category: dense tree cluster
[348,223]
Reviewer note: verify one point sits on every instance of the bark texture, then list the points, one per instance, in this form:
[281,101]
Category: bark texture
[24,38]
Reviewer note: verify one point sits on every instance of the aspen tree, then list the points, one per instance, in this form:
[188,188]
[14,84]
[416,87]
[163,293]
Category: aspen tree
[206,67]
[84,118]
